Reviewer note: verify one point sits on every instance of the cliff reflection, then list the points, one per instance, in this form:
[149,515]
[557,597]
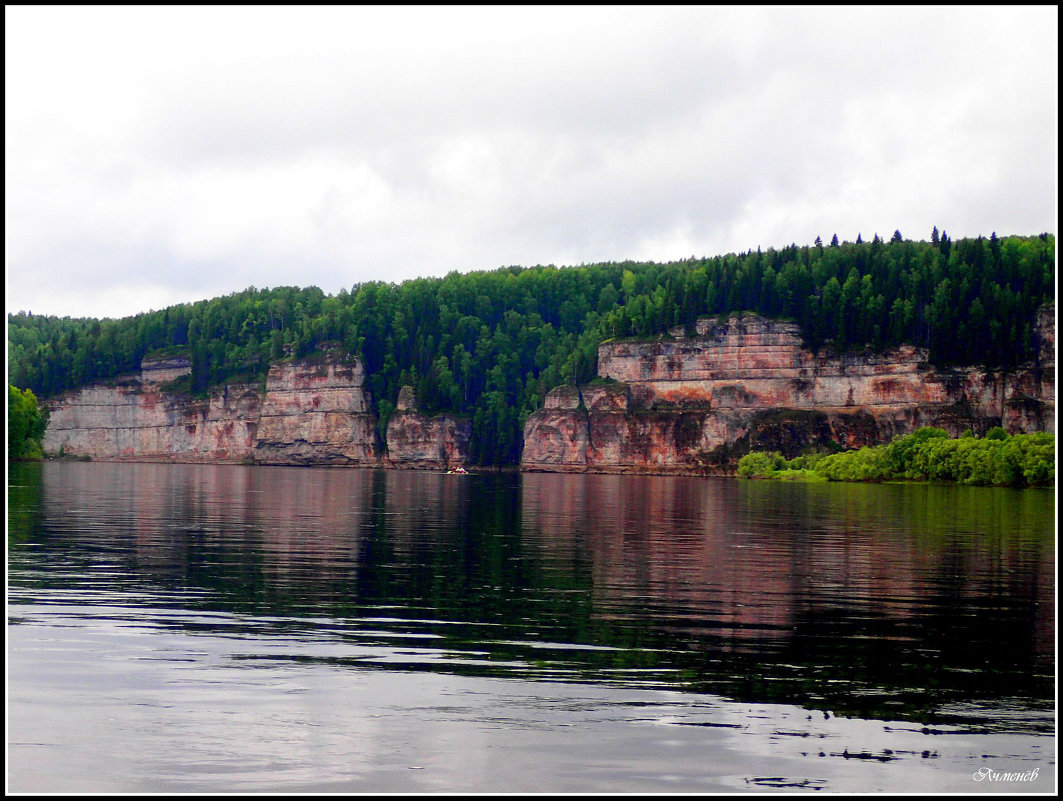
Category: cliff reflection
[668,549]
[252,532]
[758,590]
[725,563]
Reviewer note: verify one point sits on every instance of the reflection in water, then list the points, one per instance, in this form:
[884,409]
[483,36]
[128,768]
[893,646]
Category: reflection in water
[871,599]
[865,599]
[921,604]
[671,549]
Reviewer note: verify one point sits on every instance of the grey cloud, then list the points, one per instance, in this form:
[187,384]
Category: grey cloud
[389,144]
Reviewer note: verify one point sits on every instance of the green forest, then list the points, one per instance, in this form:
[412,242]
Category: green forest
[490,345]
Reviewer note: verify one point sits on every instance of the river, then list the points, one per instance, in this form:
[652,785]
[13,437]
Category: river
[222,628]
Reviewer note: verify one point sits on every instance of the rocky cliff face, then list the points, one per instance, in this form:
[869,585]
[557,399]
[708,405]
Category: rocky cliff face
[308,413]
[136,418]
[695,403]
[419,442]
[683,403]
[316,413]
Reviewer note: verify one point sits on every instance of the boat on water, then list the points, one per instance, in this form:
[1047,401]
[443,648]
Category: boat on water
[458,471]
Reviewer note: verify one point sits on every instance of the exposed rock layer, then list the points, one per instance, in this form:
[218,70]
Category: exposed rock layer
[316,414]
[416,441]
[136,418]
[695,403]
[683,403]
[309,412]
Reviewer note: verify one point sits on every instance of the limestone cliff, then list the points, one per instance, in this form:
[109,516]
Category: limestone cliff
[687,402]
[310,412]
[316,413]
[695,403]
[136,418]
[417,441]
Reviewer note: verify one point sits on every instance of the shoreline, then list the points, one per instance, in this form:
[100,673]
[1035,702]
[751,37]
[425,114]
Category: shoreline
[517,470]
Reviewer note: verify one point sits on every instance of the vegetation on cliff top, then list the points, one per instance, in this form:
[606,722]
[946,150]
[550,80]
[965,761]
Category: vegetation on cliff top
[1022,460]
[490,345]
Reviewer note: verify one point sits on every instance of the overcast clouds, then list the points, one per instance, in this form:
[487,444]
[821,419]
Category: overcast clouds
[157,156]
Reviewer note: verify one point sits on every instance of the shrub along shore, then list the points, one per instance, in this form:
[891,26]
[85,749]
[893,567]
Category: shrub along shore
[25,425]
[928,454]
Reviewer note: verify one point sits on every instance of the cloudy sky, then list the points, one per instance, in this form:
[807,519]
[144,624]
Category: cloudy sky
[164,155]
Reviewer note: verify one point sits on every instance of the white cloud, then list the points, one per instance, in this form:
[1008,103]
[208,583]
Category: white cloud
[177,152]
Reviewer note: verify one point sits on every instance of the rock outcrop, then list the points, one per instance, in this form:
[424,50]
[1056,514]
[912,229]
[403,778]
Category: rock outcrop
[316,413]
[309,412]
[135,417]
[683,403]
[416,441]
[696,403]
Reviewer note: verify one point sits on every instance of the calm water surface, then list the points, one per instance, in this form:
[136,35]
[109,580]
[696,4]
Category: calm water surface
[181,628]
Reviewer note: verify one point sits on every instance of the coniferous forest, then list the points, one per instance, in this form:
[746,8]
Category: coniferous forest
[490,345]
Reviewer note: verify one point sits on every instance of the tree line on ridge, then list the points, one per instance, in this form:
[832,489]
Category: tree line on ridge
[490,345]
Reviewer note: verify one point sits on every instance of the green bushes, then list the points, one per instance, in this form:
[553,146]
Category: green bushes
[25,424]
[761,465]
[1022,460]
[775,466]
[999,460]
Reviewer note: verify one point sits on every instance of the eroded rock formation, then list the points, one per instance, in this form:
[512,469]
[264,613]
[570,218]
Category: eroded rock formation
[316,413]
[696,403]
[136,418]
[309,412]
[416,441]
[684,403]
